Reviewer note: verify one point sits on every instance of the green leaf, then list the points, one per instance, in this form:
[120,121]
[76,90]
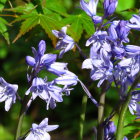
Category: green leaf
[56,6]
[48,22]
[3,29]
[79,23]
[124,5]
[131,126]
[27,25]
[2,4]
[24,9]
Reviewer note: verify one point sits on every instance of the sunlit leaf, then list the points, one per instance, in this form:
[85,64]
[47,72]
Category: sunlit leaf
[56,6]
[78,24]
[48,22]
[2,4]
[126,4]
[3,29]
[24,9]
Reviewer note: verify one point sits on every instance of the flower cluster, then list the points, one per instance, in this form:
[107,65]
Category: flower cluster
[50,91]
[111,58]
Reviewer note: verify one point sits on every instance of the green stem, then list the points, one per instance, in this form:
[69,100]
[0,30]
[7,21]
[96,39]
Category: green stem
[82,116]
[21,116]
[100,132]
[18,133]
[119,134]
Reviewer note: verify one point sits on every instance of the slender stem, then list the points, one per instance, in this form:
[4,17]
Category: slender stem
[119,134]
[82,116]
[80,51]
[21,116]
[19,126]
[100,132]
[23,109]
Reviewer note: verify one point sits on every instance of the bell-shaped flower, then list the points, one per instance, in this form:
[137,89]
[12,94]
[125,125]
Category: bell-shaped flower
[134,22]
[118,31]
[132,50]
[109,131]
[101,69]
[110,7]
[40,59]
[65,43]
[118,51]
[46,91]
[70,79]
[7,93]
[98,42]
[90,8]
[134,104]
[57,68]
[126,71]
[40,132]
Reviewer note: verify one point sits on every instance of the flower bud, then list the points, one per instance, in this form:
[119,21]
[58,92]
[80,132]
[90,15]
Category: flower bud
[110,6]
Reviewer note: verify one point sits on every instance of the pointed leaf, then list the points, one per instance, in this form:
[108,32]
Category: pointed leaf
[49,23]
[3,29]
[27,25]
[78,23]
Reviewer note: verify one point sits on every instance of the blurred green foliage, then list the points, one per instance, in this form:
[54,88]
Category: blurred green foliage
[23,23]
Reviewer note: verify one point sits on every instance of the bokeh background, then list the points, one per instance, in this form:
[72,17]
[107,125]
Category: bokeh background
[16,41]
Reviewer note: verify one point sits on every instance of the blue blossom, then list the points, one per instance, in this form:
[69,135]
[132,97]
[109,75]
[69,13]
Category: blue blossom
[132,50]
[110,6]
[7,93]
[90,8]
[134,22]
[125,72]
[98,43]
[57,68]
[134,105]
[118,31]
[125,138]
[40,59]
[65,43]
[109,131]
[118,51]
[46,91]
[45,61]
[101,69]
[40,132]
[70,79]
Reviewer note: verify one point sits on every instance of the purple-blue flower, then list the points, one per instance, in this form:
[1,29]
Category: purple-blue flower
[70,79]
[132,50]
[134,22]
[90,8]
[98,43]
[118,31]
[46,91]
[109,131]
[126,71]
[110,6]
[7,93]
[65,43]
[45,61]
[101,69]
[134,106]
[40,132]
[40,60]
